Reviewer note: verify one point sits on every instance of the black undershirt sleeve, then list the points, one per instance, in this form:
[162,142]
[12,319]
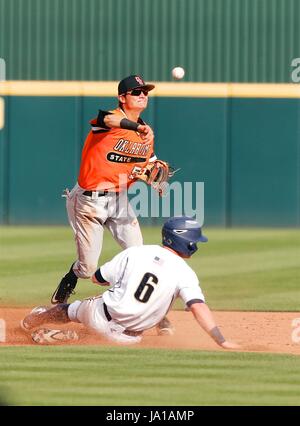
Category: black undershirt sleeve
[100,119]
[99,277]
[191,302]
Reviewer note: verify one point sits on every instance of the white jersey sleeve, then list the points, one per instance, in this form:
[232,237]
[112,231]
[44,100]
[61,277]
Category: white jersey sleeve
[189,290]
[111,271]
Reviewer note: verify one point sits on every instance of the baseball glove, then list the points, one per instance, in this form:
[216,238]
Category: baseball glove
[156,174]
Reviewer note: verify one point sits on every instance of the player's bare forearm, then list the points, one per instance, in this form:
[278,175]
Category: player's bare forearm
[203,315]
[117,121]
[112,120]
[205,319]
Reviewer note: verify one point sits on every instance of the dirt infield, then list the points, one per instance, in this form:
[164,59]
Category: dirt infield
[274,332]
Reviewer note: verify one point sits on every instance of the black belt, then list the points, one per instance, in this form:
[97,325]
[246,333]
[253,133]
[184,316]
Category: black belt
[107,314]
[109,318]
[100,193]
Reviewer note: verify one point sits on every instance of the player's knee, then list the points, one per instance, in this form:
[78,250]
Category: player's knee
[134,240]
[139,240]
[131,243]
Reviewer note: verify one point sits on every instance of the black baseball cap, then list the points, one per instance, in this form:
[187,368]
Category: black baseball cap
[133,82]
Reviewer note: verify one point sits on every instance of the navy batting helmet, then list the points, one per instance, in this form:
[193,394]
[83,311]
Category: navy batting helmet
[182,234]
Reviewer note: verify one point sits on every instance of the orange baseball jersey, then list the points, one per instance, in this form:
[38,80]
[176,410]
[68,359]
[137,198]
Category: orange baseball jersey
[110,156]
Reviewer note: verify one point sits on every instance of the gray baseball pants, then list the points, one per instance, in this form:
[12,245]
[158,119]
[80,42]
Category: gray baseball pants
[88,215]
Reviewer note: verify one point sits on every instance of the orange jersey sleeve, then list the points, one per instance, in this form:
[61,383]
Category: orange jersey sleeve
[110,156]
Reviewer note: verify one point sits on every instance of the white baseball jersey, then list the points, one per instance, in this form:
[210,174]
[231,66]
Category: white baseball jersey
[145,281]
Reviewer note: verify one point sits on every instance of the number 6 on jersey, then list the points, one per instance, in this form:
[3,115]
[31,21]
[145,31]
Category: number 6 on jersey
[146,287]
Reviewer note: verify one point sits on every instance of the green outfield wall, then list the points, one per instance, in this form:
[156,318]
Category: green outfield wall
[215,40]
[246,150]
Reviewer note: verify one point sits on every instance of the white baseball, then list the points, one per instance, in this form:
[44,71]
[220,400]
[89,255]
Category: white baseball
[178,73]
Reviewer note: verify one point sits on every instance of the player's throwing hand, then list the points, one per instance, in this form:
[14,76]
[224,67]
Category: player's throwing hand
[146,132]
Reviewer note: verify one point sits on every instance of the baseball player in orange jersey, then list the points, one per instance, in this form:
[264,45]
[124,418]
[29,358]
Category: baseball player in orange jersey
[118,145]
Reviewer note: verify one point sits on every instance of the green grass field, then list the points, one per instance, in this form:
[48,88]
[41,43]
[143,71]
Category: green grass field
[253,269]
[127,376]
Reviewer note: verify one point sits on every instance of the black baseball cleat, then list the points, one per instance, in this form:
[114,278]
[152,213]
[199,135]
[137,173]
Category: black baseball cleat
[65,288]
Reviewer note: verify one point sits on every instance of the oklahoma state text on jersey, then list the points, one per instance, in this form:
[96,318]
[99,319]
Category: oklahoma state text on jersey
[107,154]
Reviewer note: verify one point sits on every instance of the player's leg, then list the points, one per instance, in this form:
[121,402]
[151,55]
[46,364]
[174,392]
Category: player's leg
[57,315]
[89,244]
[123,223]
[91,313]
[85,216]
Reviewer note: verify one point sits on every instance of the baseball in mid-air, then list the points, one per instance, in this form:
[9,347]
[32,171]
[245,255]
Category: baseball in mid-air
[178,73]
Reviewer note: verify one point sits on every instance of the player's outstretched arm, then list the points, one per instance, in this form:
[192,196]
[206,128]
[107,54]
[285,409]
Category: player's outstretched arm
[204,317]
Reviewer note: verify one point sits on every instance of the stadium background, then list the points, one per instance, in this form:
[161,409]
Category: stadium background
[233,123]
[241,138]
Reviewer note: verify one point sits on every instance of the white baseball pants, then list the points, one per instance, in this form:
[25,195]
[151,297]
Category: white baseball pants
[90,312]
